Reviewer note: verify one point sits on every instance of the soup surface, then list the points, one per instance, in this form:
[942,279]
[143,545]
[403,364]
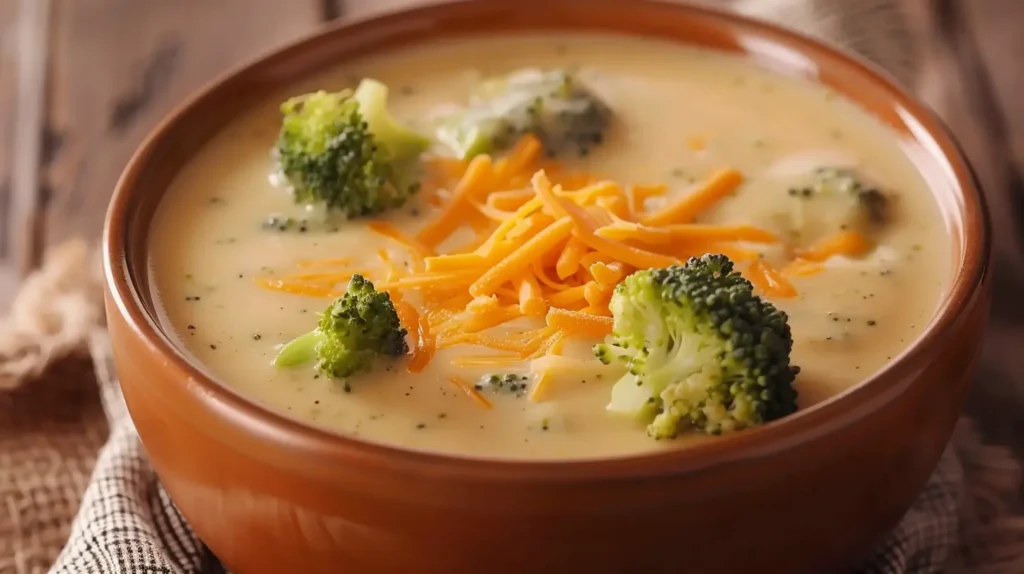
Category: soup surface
[679,115]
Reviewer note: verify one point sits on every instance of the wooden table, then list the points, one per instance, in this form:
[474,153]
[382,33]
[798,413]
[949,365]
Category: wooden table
[82,81]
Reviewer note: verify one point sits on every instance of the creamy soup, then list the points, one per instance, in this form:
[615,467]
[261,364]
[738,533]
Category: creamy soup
[678,115]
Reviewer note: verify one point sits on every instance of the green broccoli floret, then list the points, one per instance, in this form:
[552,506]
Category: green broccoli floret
[553,105]
[356,328]
[509,383]
[838,198]
[702,350]
[344,151]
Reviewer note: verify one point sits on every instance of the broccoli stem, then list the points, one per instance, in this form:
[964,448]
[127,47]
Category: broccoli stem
[631,396]
[301,349]
[401,142]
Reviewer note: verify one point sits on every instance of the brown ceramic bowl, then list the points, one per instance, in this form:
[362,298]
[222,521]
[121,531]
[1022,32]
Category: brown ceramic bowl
[811,493]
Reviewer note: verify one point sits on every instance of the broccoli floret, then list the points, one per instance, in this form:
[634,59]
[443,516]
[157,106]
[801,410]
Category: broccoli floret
[838,198]
[357,327]
[553,105]
[702,350]
[344,151]
[509,382]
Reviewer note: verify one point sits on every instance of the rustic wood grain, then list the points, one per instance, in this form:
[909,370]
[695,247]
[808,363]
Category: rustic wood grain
[972,86]
[996,27]
[8,88]
[119,66]
[367,8]
[33,33]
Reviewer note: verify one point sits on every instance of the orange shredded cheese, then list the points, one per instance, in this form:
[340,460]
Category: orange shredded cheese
[616,206]
[607,274]
[491,317]
[769,281]
[446,280]
[547,250]
[802,268]
[523,154]
[389,230]
[466,387]
[339,262]
[706,194]
[521,259]
[454,263]
[685,232]
[485,360]
[307,289]
[531,298]
[639,194]
[600,310]
[544,346]
[426,345]
[569,259]
[596,294]
[479,175]
[848,243]
[584,226]
[579,323]
[568,297]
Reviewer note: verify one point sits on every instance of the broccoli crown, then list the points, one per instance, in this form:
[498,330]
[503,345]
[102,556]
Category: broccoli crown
[702,350]
[553,105]
[357,327]
[343,150]
[837,197]
[509,383]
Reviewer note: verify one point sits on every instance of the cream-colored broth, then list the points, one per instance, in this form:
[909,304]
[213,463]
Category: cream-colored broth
[208,244]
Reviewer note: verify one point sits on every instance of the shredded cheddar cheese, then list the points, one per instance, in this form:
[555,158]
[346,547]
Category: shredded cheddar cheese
[548,250]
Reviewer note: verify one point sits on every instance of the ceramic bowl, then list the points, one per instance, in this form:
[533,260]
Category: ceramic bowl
[812,493]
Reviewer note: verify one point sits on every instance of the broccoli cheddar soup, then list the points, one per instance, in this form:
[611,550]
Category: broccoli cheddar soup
[548,247]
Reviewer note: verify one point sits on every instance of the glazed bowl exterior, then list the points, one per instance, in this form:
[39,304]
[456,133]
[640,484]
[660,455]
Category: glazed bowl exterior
[812,493]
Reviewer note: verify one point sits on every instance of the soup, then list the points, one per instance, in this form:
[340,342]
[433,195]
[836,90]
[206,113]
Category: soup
[814,202]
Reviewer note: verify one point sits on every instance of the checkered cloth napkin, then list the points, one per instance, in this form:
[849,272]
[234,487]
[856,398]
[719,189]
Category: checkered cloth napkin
[127,524]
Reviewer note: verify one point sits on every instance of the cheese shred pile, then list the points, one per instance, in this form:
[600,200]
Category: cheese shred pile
[545,244]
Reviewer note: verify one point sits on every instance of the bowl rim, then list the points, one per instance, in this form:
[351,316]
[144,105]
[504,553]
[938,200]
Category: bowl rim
[332,447]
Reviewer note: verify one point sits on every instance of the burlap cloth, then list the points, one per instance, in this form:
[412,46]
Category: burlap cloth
[58,399]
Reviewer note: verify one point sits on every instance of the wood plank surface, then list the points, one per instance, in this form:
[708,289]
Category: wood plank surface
[8,60]
[8,94]
[118,66]
[8,88]
[33,27]
[368,8]
[996,27]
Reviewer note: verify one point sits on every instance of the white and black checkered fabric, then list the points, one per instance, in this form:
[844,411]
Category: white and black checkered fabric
[127,523]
